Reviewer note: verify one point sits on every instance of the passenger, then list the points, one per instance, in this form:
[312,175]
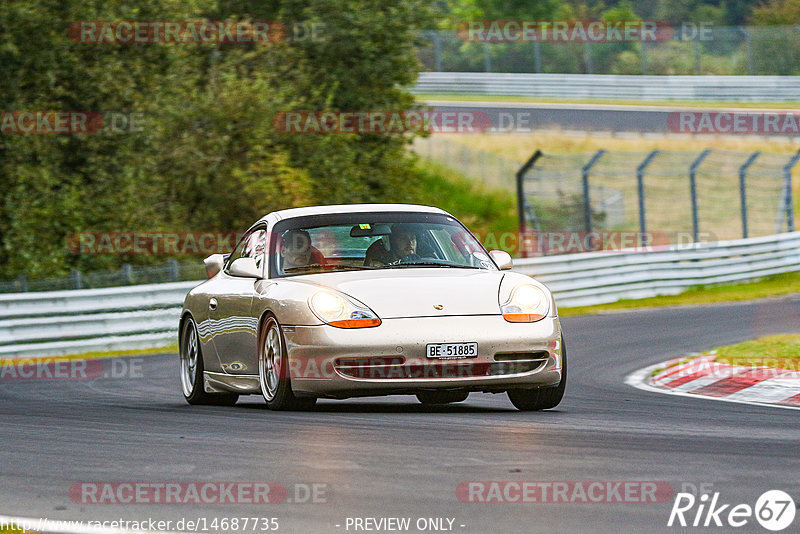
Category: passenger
[296,249]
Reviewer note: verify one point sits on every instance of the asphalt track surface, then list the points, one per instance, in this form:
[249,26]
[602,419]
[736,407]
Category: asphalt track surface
[523,117]
[391,457]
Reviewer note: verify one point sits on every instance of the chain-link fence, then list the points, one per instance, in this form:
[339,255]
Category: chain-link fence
[171,271]
[705,195]
[692,49]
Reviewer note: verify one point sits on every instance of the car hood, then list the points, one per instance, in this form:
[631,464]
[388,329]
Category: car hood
[413,292]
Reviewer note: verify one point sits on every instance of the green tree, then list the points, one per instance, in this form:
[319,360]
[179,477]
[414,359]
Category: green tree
[208,156]
[777,48]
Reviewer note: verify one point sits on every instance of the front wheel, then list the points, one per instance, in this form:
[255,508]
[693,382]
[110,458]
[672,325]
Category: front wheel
[273,372]
[192,370]
[542,398]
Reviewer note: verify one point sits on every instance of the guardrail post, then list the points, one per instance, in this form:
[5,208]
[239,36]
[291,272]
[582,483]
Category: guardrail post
[643,56]
[437,52]
[174,270]
[698,65]
[127,273]
[75,277]
[537,56]
[748,41]
[521,204]
[587,56]
[22,280]
[743,190]
[587,206]
[787,192]
[643,241]
[693,191]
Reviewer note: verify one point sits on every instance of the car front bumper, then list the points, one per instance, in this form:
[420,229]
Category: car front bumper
[391,358]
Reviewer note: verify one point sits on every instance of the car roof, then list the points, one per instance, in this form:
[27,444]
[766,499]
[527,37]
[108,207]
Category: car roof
[350,208]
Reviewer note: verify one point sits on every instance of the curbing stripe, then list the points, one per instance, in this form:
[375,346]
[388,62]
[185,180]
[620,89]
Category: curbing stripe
[734,384]
[644,379]
[791,402]
[771,390]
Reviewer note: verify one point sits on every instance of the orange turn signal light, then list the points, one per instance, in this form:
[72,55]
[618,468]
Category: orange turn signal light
[522,317]
[356,323]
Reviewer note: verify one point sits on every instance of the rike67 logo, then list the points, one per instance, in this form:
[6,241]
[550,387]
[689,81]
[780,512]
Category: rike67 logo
[774,510]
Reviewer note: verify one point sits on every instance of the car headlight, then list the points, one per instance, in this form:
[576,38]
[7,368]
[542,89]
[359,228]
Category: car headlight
[527,304]
[337,311]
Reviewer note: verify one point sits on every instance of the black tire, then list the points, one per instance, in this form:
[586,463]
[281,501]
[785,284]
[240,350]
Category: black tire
[273,371]
[192,368]
[432,398]
[542,398]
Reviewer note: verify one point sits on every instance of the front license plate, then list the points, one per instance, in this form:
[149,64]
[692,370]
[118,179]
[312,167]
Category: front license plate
[452,351]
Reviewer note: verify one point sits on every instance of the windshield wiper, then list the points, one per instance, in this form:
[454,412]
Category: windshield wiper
[358,267]
[310,267]
[429,264]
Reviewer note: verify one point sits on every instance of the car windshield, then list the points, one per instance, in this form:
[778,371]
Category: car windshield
[366,241]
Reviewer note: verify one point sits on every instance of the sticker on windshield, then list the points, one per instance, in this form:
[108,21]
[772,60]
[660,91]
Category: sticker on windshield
[364,226]
[486,265]
[481,256]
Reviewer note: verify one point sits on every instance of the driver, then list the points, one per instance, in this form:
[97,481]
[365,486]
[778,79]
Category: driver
[402,244]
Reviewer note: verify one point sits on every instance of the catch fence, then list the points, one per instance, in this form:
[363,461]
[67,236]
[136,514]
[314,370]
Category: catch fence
[667,196]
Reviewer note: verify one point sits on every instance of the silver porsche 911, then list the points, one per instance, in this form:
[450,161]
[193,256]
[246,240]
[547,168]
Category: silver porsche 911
[361,300]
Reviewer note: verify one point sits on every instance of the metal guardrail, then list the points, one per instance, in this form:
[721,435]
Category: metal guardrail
[622,87]
[133,317]
[600,277]
[127,275]
[87,320]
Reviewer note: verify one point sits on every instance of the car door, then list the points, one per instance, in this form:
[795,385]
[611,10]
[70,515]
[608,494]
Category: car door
[236,328]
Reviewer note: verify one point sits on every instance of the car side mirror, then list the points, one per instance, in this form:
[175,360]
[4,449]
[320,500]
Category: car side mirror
[214,264]
[502,259]
[245,267]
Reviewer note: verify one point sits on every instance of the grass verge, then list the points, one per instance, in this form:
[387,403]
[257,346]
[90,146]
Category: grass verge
[780,351]
[520,146]
[170,349]
[771,286]
[480,208]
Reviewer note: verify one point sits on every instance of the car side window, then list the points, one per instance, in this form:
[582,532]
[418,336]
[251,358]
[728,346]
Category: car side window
[237,252]
[256,247]
[252,245]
